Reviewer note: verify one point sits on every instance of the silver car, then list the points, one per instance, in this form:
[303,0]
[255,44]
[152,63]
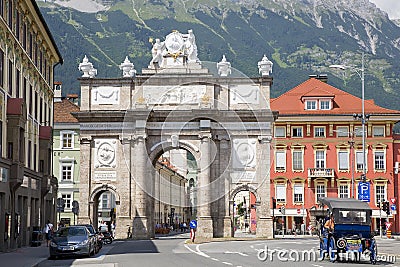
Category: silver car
[72,240]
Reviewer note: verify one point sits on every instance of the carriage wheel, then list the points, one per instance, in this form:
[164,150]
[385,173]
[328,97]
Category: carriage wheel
[332,249]
[374,252]
[322,250]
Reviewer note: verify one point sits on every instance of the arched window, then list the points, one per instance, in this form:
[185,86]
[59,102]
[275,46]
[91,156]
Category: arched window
[191,182]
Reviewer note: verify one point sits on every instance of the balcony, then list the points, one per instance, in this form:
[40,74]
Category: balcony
[321,173]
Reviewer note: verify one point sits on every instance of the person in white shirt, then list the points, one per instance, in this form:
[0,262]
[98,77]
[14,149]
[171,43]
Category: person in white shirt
[48,229]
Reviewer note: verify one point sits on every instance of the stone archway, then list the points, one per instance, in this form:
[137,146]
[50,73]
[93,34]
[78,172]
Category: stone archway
[94,203]
[225,122]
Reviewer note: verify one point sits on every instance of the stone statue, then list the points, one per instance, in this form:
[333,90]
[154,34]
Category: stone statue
[191,47]
[224,67]
[157,51]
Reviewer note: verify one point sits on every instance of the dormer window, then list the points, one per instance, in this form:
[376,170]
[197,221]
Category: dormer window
[315,103]
[311,104]
[325,104]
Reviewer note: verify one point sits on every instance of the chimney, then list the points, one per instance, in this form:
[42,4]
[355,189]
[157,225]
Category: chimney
[57,91]
[73,98]
[321,77]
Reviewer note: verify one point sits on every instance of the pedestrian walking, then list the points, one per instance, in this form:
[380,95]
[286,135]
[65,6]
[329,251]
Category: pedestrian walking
[48,229]
[113,229]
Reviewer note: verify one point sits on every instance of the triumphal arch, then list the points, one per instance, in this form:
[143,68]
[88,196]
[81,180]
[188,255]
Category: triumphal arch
[219,115]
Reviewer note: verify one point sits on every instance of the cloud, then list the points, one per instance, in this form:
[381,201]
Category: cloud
[392,7]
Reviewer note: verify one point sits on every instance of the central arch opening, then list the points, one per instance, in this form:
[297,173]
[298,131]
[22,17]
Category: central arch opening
[176,175]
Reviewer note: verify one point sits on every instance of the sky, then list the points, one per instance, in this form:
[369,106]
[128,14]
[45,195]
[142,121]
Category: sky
[392,7]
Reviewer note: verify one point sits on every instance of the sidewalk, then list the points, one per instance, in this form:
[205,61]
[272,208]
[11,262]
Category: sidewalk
[25,257]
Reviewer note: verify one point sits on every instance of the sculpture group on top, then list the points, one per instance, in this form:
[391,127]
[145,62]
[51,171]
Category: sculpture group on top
[180,47]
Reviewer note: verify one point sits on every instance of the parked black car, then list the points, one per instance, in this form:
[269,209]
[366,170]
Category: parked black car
[72,240]
[98,241]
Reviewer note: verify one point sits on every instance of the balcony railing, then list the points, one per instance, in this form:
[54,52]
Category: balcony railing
[321,172]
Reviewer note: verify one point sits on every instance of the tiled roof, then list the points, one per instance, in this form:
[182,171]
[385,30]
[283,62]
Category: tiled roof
[62,111]
[292,102]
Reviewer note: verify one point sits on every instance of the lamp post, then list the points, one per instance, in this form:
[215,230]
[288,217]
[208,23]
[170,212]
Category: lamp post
[360,72]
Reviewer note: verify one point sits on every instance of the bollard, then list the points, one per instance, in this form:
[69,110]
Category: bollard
[389,234]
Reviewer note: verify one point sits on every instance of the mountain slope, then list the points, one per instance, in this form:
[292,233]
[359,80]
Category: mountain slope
[301,37]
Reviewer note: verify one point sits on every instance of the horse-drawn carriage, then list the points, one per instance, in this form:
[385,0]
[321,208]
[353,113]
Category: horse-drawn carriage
[352,234]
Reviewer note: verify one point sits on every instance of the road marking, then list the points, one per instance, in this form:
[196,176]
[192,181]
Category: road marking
[236,252]
[197,251]
[316,265]
[214,259]
[227,263]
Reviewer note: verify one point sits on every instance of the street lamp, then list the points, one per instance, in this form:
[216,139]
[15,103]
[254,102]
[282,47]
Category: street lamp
[360,72]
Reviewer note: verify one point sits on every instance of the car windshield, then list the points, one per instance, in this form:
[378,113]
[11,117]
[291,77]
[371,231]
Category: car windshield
[352,216]
[71,231]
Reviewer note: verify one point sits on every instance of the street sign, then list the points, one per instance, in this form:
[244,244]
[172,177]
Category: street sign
[364,191]
[388,225]
[193,224]
[393,207]
[392,200]
[60,202]
[298,211]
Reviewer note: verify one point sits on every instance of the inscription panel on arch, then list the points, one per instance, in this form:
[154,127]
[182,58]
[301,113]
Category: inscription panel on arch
[180,94]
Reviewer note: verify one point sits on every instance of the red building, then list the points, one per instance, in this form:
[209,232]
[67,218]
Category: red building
[318,152]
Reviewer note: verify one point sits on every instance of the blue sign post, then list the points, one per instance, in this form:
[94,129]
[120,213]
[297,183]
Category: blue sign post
[364,192]
[193,226]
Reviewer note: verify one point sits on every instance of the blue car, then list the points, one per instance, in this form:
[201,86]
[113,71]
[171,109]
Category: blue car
[351,236]
[72,240]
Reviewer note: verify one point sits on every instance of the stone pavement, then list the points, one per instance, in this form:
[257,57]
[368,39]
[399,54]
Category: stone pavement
[25,256]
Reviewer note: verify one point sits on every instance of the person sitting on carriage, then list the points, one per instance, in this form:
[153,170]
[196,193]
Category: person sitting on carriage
[330,224]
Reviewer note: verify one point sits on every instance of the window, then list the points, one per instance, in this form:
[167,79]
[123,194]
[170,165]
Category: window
[279,132]
[320,191]
[280,192]
[344,191]
[320,159]
[297,160]
[298,193]
[325,104]
[66,171]
[67,140]
[67,200]
[343,157]
[17,83]
[10,77]
[380,191]
[378,131]
[1,68]
[297,131]
[280,161]
[319,131]
[342,131]
[379,160]
[311,104]
[358,131]
[104,201]
[360,160]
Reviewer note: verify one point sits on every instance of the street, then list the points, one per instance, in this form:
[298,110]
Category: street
[172,251]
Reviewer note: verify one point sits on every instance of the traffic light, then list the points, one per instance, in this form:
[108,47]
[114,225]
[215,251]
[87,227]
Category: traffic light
[273,203]
[385,207]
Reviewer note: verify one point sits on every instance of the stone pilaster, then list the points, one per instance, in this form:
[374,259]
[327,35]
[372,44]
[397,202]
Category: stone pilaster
[204,225]
[141,222]
[85,183]
[225,182]
[264,221]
